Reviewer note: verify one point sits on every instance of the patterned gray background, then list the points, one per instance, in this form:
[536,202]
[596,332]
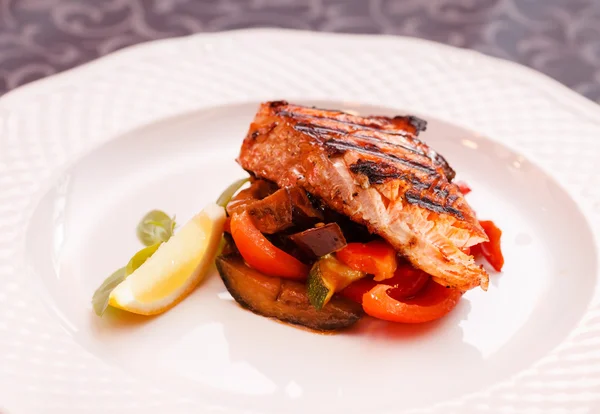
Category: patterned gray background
[558,37]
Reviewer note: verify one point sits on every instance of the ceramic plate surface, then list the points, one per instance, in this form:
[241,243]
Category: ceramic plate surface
[83,155]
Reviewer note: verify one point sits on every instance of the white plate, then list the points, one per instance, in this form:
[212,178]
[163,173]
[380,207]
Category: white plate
[85,154]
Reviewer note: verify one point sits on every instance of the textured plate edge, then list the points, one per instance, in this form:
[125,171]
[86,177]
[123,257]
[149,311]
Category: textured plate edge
[71,76]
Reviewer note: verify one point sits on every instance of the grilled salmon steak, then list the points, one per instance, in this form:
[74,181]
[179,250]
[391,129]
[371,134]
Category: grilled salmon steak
[375,171]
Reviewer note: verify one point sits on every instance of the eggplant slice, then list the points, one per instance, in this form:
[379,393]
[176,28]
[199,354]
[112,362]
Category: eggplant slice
[283,299]
[320,241]
[278,211]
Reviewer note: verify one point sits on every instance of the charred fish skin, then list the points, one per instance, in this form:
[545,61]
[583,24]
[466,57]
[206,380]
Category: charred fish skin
[376,171]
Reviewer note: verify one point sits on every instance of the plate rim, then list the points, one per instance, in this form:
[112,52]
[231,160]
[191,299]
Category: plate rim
[38,85]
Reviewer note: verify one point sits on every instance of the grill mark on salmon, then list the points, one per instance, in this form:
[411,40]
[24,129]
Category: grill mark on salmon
[342,146]
[328,131]
[377,173]
[360,168]
[415,198]
[382,137]
[364,127]
[283,108]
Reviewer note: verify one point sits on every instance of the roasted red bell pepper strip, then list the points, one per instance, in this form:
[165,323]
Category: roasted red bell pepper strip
[491,249]
[260,253]
[407,281]
[356,290]
[376,257]
[433,302]
[463,187]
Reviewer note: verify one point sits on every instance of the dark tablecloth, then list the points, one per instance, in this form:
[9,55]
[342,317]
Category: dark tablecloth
[558,37]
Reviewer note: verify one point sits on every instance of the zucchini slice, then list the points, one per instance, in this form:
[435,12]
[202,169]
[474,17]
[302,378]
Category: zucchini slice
[328,276]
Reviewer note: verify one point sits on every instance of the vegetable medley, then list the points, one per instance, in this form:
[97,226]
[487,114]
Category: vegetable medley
[288,256]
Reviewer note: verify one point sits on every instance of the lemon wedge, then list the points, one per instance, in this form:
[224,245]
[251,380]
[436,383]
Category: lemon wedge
[175,269]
